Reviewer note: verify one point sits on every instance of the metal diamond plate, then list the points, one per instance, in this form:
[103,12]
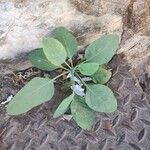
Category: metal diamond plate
[126,129]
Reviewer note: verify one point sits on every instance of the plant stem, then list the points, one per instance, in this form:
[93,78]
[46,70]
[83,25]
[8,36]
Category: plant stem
[64,68]
[72,81]
[68,65]
[81,80]
[71,62]
[59,75]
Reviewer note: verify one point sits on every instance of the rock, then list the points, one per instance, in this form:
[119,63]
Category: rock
[137,19]
[18,63]
[24,23]
[135,43]
[137,53]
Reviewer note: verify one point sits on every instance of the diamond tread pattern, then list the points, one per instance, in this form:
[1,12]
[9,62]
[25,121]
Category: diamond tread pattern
[126,129]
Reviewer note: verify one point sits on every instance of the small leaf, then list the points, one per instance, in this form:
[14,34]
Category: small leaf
[103,49]
[36,92]
[63,107]
[39,60]
[102,75]
[88,68]
[100,98]
[67,40]
[54,51]
[82,114]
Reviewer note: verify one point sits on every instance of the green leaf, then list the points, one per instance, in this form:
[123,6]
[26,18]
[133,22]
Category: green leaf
[36,92]
[102,75]
[81,113]
[54,51]
[103,49]
[88,68]
[67,40]
[63,107]
[100,98]
[39,60]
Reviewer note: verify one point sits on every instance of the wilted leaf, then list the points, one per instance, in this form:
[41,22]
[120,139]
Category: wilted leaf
[103,49]
[102,75]
[88,68]
[39,60]
[100,98]
[82,114]
[54,51]
[63,107]
[67,40]
[36,92]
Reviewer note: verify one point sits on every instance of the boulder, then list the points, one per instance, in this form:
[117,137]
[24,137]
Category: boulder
[23,24]
[137,52]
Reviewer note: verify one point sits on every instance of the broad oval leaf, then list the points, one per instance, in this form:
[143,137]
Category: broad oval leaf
[36,92]
[88,68]
[63,107]
[103,49]
[102,75]
[82,114]
[100,98]
[54,51]
[39,60]
[67,40]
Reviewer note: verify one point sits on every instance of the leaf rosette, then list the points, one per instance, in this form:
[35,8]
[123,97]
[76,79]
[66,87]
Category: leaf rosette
[85,79]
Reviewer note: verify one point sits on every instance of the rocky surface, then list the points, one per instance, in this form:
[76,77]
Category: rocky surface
[23,24]
[128,128]
[135,43]
[137,52]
